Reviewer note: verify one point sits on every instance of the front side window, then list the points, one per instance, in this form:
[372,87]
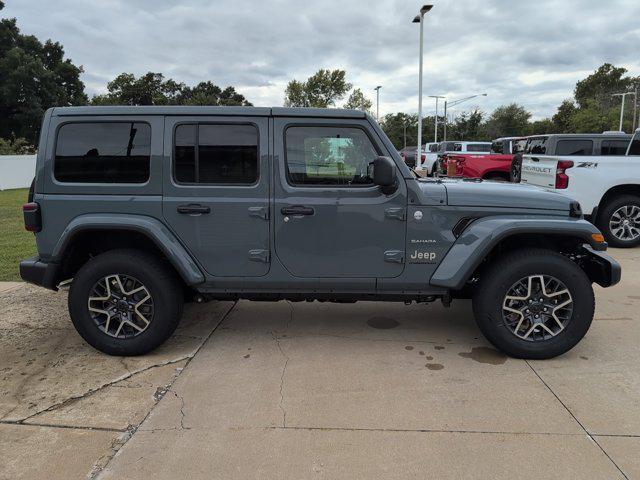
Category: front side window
[614,147]
[574,147]
[216,154]
[328,156]
[497,147]
[103,152]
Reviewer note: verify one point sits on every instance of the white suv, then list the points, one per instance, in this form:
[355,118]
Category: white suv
[606,185]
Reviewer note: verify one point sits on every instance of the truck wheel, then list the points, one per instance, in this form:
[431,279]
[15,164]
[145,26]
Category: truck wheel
[619,221]
[534,304]
[125,302]
[515,173]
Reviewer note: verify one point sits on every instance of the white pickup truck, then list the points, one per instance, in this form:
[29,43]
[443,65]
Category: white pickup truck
[607,187]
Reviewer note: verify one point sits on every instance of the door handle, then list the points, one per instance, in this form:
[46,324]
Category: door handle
[193,209]
[297,210]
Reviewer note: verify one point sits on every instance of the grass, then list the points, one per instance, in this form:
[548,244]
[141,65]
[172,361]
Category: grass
[15,242]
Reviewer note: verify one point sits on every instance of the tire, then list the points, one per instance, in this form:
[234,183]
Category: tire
[515,173]
[613,207]
[497,281]
[163,310]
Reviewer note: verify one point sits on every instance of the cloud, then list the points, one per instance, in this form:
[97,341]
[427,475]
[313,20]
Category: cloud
[528,52]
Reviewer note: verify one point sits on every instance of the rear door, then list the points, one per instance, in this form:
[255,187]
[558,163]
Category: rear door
[216,191]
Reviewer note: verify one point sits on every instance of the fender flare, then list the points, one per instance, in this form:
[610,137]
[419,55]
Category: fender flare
[479,238]
[152,228]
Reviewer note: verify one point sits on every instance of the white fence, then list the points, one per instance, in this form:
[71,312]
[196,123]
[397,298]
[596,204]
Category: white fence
[17,171]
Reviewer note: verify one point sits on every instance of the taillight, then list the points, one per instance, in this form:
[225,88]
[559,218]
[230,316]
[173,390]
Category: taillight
[562,180]
[32,217]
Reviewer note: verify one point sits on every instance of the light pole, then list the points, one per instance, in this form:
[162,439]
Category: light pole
[624,96]
[404,126]
[453,104]
[435,134]
[377,89]
[420,19]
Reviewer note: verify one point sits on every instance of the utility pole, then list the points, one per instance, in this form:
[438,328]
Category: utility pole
[435,134]
[404,125]
[635,108]
[624,96]
[377,89]
[420,19]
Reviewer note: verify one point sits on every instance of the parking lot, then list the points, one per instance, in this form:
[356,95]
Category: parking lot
[313,390]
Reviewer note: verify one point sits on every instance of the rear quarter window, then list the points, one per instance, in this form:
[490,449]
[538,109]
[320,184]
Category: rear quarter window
[614,147]
[103,152]
[574,147]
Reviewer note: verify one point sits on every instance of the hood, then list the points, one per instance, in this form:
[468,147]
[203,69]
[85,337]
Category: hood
[479,193]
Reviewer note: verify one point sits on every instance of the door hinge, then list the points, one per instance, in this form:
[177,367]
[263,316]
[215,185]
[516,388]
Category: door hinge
[259,256]
[260,212]
[395,212]
[394,256]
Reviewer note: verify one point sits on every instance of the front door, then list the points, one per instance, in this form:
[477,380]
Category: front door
[329,218]
[216,191]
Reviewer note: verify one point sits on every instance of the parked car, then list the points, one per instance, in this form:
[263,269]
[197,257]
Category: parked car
[141,208]
[494,166]
[429,158]
[606,183]
[409,155]
[456,148]
[570,144]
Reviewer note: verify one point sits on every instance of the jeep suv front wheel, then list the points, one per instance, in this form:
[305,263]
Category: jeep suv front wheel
[125,302]
[534,304]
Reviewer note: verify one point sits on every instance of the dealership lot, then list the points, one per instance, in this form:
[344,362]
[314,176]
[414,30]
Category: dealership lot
[312,390]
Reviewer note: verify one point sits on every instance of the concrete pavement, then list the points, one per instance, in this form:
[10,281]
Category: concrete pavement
[310,390]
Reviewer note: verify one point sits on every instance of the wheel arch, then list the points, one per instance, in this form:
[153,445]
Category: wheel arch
[616,191]
[488,237]
[92,234]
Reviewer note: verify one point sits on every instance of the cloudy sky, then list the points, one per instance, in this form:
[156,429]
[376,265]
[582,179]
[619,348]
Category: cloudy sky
[526,51]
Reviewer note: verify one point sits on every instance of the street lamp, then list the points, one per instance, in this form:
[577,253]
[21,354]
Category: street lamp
[435,135]
[624,96]
[377,89]
[420,19]
[453,104]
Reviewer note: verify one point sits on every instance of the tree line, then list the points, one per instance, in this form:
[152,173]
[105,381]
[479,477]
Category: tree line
[35,76]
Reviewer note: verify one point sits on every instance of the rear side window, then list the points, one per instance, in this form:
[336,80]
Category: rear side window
[216,154]
[106,152]
[497,147]
[536,146]
[614,147]
[574,147]
[634,148]
[337,156]
[478,147]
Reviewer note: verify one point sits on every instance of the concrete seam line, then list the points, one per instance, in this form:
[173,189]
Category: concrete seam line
[117,446]
[410,430]
[20,423]
[576,419]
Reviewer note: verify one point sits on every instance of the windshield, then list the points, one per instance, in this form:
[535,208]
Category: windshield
[479,147]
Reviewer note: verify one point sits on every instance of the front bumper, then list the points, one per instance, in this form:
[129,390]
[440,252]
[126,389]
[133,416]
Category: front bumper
[601,267]
[40,273]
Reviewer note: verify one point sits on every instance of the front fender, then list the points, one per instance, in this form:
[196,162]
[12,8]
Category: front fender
[155,230]
[479,238]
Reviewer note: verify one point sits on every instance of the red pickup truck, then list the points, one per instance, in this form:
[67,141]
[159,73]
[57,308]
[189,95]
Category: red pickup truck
[495,166]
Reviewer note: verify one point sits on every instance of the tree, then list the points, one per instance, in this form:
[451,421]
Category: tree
[599,86]
[546,125]
[467,126]
[206,93]
[357,101]
[323,89]
[33,77]
[562,118]
[153,89]
[508,121]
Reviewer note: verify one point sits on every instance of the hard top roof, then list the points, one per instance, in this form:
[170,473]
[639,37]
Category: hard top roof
[207,110]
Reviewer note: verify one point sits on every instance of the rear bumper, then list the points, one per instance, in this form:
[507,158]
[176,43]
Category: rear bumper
[39,273]
[601,267]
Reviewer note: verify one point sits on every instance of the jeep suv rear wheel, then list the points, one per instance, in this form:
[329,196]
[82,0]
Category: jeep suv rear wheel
[534,304]
[125,302]
[619,221]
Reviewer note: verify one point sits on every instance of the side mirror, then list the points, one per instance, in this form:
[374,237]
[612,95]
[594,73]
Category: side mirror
[384,174]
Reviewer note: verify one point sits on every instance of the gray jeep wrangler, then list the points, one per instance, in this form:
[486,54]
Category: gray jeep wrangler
[140,209]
